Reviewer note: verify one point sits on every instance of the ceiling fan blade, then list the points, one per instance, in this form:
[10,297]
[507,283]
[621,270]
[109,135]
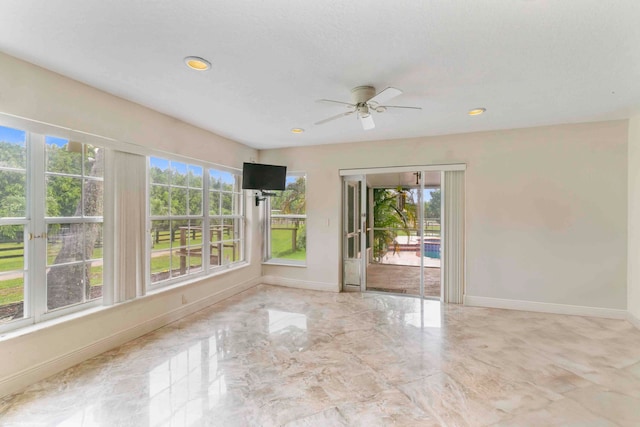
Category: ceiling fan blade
[385,95]
[337,116]
[401,106]
[331,101]
[367,122]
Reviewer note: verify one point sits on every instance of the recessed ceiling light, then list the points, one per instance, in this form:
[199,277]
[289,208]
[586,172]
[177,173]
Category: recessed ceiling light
[297,130]
[197,63]
[477,111]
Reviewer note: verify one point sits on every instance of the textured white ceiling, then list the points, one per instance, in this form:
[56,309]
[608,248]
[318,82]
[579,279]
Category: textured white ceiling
[528,62]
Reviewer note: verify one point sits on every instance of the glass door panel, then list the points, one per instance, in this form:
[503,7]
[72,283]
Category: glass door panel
[353,225]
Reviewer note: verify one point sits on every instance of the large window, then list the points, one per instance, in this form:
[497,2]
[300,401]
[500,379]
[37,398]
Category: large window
[74,200]
[51,199]
[13,222]
[52,192]
[286,231]
[185,241]
[226,217]
[175,206]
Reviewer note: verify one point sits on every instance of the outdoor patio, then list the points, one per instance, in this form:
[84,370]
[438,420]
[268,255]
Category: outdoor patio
[400,273]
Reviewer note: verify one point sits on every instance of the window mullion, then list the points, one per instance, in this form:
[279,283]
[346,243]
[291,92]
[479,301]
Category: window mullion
[37,276]
[206,222]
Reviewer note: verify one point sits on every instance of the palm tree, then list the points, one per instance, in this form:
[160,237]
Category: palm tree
[387,216]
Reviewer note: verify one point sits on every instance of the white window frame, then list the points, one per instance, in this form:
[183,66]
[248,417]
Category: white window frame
[169,217]
[207,268]
[267,255]
[238,192]
[36,225]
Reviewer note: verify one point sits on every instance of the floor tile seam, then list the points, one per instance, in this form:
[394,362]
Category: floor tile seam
[589,411]
[542,353]
[514,381]
[504,415]
[612,389]
[429,409]
[625,367]
[429,412]
[288,423]
[580,374]
[605,388]
[398,384]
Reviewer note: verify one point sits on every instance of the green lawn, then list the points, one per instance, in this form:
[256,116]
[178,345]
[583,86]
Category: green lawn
[53,250]
[11,249]
[165,262]
[11,290]
[281,246]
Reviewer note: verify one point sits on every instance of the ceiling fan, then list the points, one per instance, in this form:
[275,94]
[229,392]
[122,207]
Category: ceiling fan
[364,102]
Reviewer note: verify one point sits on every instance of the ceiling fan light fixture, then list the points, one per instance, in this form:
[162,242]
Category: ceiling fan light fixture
[363,110]
[196,63]
[477,111]
[297,130]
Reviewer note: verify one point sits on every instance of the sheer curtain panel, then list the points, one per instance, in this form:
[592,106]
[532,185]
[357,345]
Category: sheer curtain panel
[126,202]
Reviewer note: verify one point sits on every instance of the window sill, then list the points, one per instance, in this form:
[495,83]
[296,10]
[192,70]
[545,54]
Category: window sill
[31,328]
[45,324]
[194,279]
[286,262]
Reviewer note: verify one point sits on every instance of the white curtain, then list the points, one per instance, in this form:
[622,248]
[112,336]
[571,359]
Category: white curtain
[125,223]
[453,274]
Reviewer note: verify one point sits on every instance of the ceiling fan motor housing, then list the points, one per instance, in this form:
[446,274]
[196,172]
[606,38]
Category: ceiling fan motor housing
[362,94]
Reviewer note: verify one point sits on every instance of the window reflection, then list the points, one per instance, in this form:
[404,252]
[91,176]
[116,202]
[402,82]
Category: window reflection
[174,389]
[430,315]
[187,385]
[87,416]
[281,321]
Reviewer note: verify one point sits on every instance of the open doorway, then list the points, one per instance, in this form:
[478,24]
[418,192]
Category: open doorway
[403,231]
[398,204]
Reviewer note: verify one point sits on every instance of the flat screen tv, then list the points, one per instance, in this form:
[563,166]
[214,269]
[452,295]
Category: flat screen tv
[257,176]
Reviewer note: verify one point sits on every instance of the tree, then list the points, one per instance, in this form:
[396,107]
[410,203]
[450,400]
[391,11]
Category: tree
[69,283]
[13,196]
[386,217]
[432,207]
[292,200]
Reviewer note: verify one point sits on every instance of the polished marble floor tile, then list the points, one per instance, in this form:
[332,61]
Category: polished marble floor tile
[275,356]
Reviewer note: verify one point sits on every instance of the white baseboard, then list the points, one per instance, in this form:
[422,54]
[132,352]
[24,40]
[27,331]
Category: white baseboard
[633,320]
[300,284]
[543,307]
[24,378]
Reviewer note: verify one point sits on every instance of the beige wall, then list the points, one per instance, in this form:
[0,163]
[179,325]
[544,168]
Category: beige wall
[546,209]
[37,94]
[633,300]
[546,212]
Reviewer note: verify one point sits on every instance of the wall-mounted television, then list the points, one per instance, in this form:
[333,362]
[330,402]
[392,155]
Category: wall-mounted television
[258,176]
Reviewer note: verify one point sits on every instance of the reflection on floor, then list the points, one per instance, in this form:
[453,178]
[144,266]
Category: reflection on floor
[279,356]
[403,279]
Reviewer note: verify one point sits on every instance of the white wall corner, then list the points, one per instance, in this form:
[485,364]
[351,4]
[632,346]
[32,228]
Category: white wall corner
[633,320]
[26,377]
[543,307]
[300,284]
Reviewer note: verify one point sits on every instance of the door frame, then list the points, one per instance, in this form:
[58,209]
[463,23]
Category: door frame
[360,174]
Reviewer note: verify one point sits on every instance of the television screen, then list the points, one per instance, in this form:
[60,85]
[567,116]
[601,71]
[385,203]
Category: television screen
[257,176]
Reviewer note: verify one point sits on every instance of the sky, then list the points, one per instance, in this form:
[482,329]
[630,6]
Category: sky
[16,136]
[11,135]
[181,168]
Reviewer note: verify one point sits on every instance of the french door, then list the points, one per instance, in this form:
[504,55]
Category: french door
[439,241]
[354,233]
